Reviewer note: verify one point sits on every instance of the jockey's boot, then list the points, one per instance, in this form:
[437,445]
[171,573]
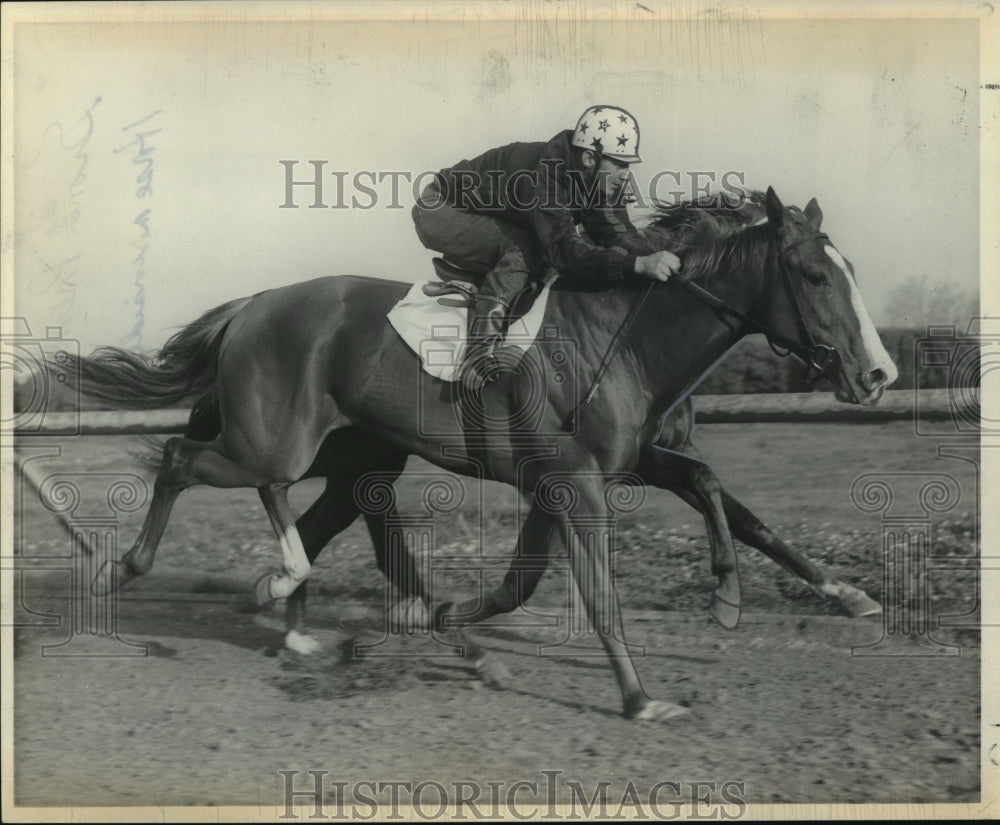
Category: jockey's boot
[487,322]
[498,292]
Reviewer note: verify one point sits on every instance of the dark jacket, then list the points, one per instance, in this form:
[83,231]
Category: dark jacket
[537,186]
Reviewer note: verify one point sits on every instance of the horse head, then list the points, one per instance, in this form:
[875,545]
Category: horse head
[815,301]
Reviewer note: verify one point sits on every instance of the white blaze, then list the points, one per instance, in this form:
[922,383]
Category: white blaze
[878,358]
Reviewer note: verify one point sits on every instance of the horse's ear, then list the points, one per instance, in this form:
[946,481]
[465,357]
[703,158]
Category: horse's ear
[775,208]
[814,213]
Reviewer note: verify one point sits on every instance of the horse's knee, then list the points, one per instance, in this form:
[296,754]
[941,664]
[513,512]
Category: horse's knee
[705,480]
[171,452]
[175,466]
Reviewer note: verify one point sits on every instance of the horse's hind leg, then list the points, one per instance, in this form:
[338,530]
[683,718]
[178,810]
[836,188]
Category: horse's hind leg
[173,478]
[334,511]
[186,463]
[296,564]
[667,468]
[658,469]
[750,530]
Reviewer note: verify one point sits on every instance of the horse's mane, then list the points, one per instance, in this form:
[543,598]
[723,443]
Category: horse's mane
[711,236]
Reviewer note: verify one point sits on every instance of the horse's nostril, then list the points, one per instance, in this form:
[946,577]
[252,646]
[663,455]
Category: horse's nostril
[875,379]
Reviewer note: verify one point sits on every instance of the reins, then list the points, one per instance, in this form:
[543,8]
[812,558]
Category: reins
[820,359]
[572,422]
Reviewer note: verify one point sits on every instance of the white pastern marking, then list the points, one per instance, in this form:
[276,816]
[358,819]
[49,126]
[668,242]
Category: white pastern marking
[876,353]
[301,643]
[296,562]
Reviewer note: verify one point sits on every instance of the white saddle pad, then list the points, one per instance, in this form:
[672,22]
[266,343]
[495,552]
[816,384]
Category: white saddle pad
[436,333]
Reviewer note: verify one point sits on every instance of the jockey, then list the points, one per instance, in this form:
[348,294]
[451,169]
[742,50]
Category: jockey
[512,211]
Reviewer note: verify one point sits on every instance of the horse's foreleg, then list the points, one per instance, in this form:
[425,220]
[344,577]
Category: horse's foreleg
[401,569]
[750,530]
[531,558]
[589,545]
[727,597]
[394,562]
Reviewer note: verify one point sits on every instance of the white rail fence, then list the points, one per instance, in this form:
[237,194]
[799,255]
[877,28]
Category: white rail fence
[896,405]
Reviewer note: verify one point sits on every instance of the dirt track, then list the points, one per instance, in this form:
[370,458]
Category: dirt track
[216,709]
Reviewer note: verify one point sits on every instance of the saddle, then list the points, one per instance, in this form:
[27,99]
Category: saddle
[433,318]
[449,273]
[458,286]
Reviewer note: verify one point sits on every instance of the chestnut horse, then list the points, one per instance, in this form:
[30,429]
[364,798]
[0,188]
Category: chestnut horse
[291,366]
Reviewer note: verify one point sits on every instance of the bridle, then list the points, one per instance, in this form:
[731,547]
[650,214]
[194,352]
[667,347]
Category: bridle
[821,360]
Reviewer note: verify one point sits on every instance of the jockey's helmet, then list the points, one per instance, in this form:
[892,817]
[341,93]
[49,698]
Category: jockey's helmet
[609,131]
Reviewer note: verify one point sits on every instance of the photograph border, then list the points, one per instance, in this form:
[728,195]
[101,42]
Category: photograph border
[154,12]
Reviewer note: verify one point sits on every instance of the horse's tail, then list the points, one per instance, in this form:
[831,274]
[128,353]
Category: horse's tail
[184,367]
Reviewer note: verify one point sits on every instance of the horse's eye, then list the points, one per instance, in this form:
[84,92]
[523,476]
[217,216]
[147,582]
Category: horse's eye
[817,277]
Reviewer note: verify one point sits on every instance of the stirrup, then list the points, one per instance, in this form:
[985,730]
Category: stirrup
[452,293]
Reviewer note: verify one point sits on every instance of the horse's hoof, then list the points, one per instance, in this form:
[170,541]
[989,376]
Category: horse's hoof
[857,604]
[261,594]
[112,576]
[493,673]
[302,643]
[725,612]
[408,616]
[656,711]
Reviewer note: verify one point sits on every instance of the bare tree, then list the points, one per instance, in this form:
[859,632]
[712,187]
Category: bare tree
[917,301]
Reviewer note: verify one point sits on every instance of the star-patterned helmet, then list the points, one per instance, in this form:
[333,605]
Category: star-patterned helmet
[609,131]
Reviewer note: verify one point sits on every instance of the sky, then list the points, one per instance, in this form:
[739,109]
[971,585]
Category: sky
[147,183]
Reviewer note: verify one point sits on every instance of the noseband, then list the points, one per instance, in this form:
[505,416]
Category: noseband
[821,360]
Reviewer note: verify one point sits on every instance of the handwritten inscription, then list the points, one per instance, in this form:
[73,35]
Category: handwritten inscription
[75,139]
[59,277]
[142,153]
[55,276]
